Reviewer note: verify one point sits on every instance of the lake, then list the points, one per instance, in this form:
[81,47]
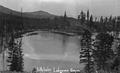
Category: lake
[48,49]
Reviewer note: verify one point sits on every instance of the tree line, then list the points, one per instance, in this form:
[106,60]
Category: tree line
[101,53]
[11,41]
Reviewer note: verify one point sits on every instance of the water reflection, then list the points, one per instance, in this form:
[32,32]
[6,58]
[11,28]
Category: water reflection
[54,44]
[51,50]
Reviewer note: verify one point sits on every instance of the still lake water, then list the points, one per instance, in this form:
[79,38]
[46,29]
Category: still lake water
[52,47]
[52,43]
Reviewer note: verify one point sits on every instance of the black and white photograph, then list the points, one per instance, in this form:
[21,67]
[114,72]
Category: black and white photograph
[59,36]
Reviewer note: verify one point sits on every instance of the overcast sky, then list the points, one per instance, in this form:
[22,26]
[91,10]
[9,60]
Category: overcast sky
[73,7]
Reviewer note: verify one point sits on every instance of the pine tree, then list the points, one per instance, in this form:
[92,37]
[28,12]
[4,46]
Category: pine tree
[34,70]
[88,15]
[86,52]
[103,51]
[82,17]
[20,55]
[102,24]
[66,22]
[65,15]
[101,19]
[15,58]
[91,21]
[116,62]
[110,18]
[105,20]
[118,50]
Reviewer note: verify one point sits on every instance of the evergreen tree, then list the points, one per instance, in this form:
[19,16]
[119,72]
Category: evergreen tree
[103,51]
[66,22]
[79,17]
[82,17]
[91,21]
[20,55]
[115,26]
[95,19]
[101,19]
[55,26]
[86,52]
[65,15]
[110,18]
[102,24]
[88,15]
[15,58]
[116,60]
[34,70]
[105,20]
[118,50]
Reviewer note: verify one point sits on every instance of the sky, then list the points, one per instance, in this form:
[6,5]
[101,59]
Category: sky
[72,7]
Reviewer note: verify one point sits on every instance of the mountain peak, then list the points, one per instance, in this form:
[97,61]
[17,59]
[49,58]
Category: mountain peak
[41,14]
